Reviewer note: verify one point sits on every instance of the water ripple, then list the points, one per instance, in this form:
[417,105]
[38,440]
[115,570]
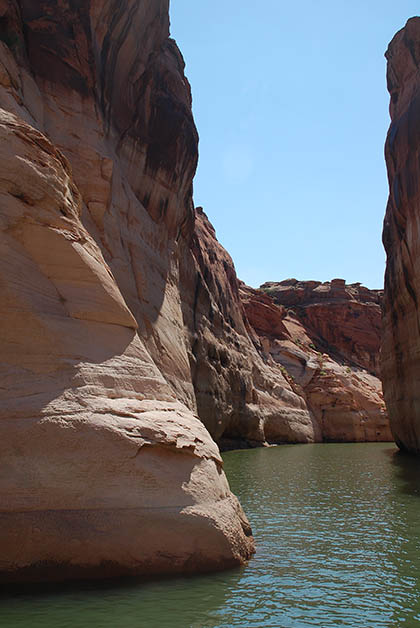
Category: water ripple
[338,536]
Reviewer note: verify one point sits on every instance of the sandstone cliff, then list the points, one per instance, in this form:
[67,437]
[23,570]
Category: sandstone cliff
[401,342]
[326,338]
[240,396]
[105,467]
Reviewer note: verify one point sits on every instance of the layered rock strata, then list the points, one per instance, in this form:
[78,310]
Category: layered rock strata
[326,338]
[346,318]
[401,237]
[240,397]
[105,467]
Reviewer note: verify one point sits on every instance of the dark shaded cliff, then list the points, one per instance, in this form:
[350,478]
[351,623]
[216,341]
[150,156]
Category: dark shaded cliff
[401,343]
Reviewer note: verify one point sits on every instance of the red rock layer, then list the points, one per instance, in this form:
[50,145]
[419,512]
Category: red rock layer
[346,318]
[325,337]
[401,343]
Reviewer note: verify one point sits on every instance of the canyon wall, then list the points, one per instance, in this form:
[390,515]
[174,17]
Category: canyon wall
[105,468]
[241,396]
[326,338]
[401,236]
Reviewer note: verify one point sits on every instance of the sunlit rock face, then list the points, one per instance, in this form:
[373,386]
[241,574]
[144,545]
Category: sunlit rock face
[401,236]
[326,337]
[105,468]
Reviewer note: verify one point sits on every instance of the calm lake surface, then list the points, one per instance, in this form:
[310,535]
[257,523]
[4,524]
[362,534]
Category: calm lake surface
[338,534]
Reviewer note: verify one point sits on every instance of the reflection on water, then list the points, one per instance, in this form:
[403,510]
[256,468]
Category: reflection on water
[408,472]
[171,603]
[338,536]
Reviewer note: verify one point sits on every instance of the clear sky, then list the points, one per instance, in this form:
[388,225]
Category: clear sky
[291,106]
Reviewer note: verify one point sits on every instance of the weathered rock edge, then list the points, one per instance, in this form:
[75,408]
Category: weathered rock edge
[401,236]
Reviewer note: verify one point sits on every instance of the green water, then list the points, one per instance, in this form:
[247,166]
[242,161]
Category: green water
[338,535]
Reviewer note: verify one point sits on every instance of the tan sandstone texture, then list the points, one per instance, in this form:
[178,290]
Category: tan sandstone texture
[325,337]
[401,236]
[105,468]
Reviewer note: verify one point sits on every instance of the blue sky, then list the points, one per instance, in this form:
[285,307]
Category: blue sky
[291,106]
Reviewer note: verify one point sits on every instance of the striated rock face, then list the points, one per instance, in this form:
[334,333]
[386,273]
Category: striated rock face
[401,343]
[240,396]
[345,317]
[105,468]
[326,338]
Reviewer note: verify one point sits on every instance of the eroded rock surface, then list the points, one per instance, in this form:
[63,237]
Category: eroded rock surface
[401,236]
[105,466]
[345,317]
[240,396]
[326,337]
